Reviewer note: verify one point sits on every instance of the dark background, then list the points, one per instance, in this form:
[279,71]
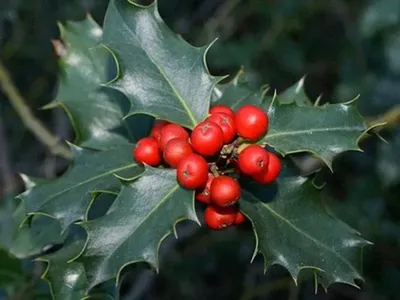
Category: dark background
[346,48]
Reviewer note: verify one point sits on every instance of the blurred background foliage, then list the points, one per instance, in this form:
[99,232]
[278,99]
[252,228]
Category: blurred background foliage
[345,47]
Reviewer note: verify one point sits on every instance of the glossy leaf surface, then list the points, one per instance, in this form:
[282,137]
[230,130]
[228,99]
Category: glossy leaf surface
[143,214]
[322,130]
[160,73]
[96,112]
[293,229]
[68,197]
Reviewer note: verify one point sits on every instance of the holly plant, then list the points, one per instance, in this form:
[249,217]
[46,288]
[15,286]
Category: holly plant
[165,136]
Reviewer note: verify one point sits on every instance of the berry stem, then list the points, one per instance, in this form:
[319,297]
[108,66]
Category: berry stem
[227,171]
[239,141]
[227,149]
[214,170]
[236,145]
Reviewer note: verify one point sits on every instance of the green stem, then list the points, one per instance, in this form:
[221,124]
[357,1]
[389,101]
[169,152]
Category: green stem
[27,117]
[214,170]
[227,171]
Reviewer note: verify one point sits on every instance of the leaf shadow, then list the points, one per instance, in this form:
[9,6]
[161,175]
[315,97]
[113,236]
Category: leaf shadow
[100,205]
[267,193]
[134,127]
[263,192]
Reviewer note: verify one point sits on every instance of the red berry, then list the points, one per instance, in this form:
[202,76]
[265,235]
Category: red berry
[156,130]
[224,191]
[251,122]
[219,218]
[207,138]
[192,171]
[253,160]
[146,151]
[203,194]
[272,172]
[240,218]
[175,150]
[227,124]
[219,108]
[169,132]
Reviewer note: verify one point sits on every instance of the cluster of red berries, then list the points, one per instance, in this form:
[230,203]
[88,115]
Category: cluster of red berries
[220,145]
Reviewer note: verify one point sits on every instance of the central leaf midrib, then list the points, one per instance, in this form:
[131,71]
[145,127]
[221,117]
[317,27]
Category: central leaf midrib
[277,215]
[180,98]
[91,179]
[298,132]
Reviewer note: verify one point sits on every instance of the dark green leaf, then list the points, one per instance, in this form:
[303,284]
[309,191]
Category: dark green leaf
[24,240]
[238,93]
[101,205]
[67,279]
[27,239]
[322,130]
[96,112]
[158,71]
[295,94]
[293,229]
[68,198]
[143,214]
[34,237]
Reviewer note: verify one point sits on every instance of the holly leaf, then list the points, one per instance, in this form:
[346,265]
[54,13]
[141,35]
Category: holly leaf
[322,130]
[100,206]
[67,280]
[160,73]
[67,198]
[295,94]
[295,124]
[293,229]
[34,237]
[143,215]
[96,112]
[237,93]
[26,239]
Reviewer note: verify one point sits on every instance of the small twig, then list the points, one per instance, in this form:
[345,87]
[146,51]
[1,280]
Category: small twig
[214,169]
[391,118]
[32,123]
[227,171]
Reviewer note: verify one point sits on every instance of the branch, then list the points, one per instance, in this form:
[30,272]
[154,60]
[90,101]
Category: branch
[391,118]
[34,125]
